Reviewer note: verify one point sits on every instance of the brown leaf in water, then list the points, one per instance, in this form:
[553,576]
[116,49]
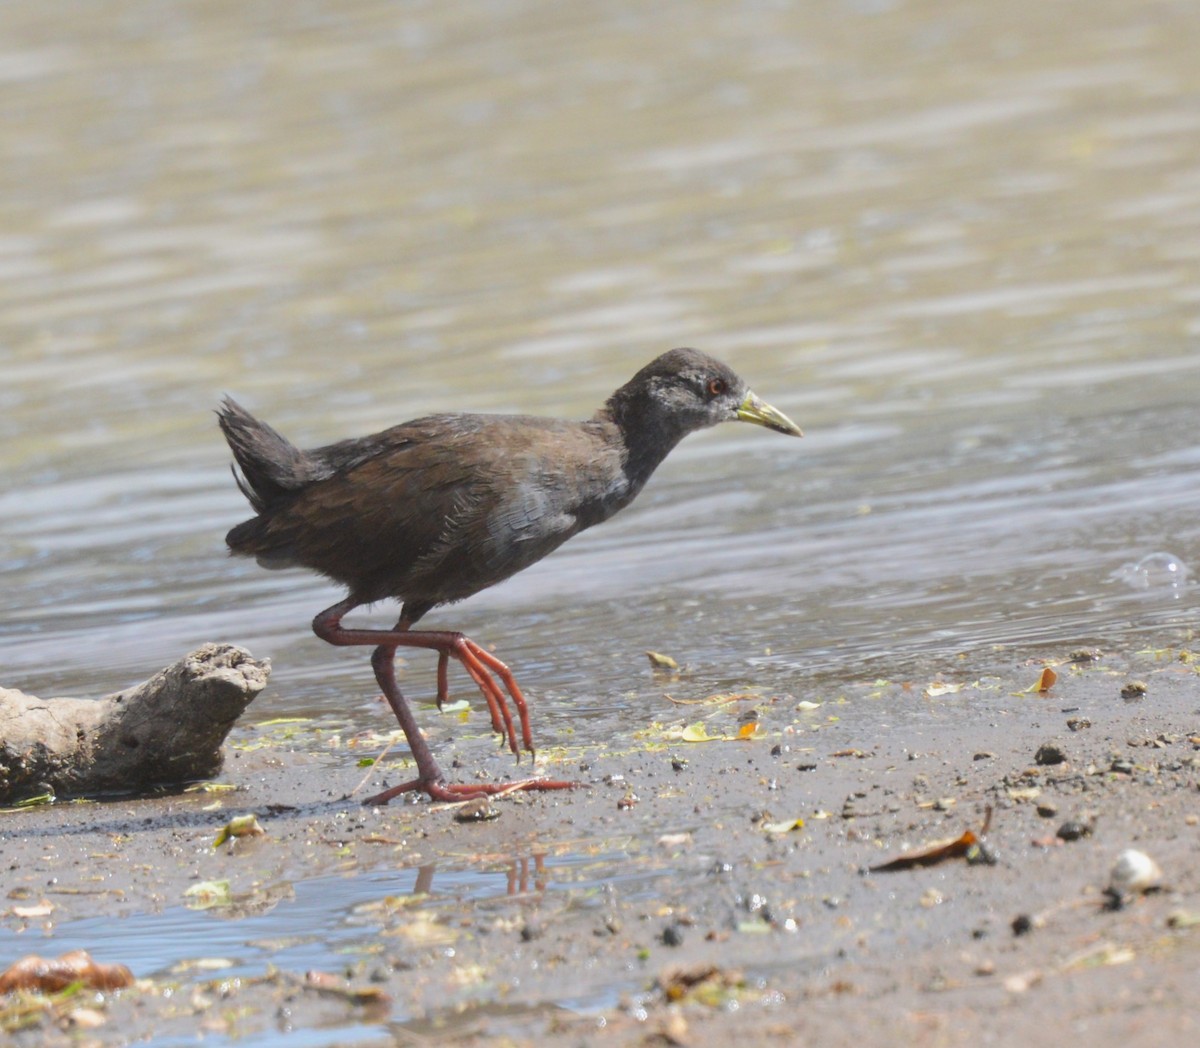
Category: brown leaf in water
[661,662]
[1042,685]
[958,848]
[334,986]
[930,855]
[685,981]
[51,974]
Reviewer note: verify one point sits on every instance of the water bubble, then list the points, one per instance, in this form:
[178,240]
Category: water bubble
[1155,571]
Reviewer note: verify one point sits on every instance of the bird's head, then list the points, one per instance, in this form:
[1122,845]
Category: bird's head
[685,390]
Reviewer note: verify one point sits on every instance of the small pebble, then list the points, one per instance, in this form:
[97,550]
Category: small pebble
[1134,690]
[1134,871]
[1023,924]
[611,926]
[1071,830]
[979,854]
[672,935]
[479,810]
[1050,753]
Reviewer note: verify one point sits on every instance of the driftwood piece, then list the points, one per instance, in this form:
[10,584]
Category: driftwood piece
[165,731]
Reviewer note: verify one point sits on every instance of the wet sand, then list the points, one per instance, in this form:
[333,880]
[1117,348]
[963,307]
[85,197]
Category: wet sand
[668,902]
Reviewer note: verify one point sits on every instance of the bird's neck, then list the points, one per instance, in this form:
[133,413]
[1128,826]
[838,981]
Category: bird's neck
[647,437]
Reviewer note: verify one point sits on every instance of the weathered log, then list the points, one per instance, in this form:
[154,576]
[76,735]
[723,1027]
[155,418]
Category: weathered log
[165,731]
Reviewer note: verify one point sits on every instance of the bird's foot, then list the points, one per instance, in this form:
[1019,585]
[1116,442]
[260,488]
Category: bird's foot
[452,793]
[484,668]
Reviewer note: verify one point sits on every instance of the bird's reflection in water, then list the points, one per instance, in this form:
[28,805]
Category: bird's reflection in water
[518,873]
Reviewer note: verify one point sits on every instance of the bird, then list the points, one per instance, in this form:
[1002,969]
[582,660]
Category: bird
[431,511]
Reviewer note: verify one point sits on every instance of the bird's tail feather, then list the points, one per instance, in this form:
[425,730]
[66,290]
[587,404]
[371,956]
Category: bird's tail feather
[272,468]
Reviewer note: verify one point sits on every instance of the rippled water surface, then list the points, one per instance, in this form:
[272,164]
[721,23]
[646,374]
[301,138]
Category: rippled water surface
[959,244]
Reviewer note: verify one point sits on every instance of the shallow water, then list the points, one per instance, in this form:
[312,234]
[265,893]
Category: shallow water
[958,245]
[343,916]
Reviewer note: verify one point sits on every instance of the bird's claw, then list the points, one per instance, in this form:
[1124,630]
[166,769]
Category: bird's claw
[452,793]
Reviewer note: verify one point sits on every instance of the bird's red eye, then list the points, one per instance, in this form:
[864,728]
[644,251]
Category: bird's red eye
[716,386]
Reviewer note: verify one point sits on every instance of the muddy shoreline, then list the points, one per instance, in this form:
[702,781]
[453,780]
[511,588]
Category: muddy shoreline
[691,892]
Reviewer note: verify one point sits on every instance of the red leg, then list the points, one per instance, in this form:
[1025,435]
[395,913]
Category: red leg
[443,692]
[477,662]
[328,627]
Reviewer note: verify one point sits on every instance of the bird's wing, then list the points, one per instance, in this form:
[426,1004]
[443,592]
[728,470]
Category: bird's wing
[439,508]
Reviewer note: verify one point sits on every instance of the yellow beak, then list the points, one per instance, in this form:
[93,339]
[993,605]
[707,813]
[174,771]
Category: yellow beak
[762,414]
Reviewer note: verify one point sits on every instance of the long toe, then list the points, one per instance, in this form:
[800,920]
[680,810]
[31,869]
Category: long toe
[455,792]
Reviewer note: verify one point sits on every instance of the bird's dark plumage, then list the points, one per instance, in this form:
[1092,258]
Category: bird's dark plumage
[436,509]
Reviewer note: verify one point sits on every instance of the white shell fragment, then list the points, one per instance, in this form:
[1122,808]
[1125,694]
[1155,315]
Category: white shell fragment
[1134,871]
